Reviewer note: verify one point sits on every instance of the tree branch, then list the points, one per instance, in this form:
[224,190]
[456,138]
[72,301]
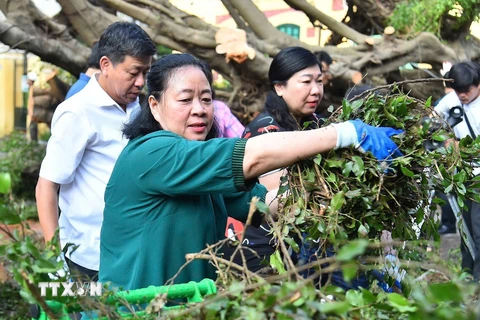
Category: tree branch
[255,18]
[332,24]
[70,56]
[235,16]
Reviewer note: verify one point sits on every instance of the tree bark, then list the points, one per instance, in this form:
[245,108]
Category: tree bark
[28,29]
[332,24]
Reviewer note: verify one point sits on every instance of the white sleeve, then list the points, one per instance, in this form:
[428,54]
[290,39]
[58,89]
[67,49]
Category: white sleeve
[446,103]
[70,136]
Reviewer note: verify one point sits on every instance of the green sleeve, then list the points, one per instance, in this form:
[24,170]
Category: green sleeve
[238,204]
[165,163]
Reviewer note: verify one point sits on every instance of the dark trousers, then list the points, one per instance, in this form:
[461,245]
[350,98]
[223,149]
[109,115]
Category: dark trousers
[448,217]
[78,272]
[471,218]
[33,128]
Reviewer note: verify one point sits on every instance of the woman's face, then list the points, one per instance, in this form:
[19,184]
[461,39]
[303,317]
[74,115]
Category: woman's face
[186,107]
[303,91]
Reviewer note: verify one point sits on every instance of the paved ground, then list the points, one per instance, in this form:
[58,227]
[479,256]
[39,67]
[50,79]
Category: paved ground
[449,241]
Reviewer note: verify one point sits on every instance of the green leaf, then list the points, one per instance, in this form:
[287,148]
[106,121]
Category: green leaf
[448,189]
[446,292]
[351,250]
[8,215]
[347,169]
[5,182]
[355,298]
[277,263]
[363,230]
[358,166]
[318,159]
[428,103]
[261,206]
[368,297]
[400,303]
[407,172]
[292,244]
[353,193]
[349,271]
[337,202]
[335,307]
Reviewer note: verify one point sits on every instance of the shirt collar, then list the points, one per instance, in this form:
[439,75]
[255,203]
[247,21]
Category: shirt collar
[103,99]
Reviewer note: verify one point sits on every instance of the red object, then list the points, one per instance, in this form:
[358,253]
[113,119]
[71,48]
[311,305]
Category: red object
[310,32]
[237,228]
[338,5]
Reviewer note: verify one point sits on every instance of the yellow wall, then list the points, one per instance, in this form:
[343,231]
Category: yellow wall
[277,11]
[10,89]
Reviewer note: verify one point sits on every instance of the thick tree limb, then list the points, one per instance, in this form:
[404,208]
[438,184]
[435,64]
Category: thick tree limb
[70,55]
[255,18]
[260,25]
[235,16]
[88,20]
[332,24]
[375,10]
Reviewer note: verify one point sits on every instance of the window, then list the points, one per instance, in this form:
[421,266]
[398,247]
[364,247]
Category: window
[290,29]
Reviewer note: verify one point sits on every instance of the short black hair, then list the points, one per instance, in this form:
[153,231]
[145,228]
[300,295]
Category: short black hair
[158,79]
[323,56]
[464,75]
[122,39]
[94,59]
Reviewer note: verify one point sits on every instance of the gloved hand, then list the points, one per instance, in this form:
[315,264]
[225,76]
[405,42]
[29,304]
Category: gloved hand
[63,271]
[367,138]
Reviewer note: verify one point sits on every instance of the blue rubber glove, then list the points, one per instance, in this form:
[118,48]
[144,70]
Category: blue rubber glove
[367,138]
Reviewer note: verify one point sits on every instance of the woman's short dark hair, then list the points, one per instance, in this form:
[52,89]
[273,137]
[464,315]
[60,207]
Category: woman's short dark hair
[285,64]
[158,79]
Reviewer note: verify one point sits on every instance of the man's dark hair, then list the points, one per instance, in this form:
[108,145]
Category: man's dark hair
[94,59]
[122,39]
[284,65]
[323,56]
[158,80]
[464,75]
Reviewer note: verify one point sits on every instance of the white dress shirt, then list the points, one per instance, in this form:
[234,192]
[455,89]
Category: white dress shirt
[472,111]
[86,141]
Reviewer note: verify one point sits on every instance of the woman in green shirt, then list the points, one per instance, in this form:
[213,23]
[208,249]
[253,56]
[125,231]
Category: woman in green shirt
[173,185]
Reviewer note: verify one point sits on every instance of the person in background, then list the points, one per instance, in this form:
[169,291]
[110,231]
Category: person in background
[325,60]
[174,185]
[33,125]
[228,124]
[93,66]
[85,143]
[466,94]
[448,220]
[296,79]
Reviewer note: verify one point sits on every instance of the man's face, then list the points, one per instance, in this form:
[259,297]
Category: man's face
[125,80]
[468,95]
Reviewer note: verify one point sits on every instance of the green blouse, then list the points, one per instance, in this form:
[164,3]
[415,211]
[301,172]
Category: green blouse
[168,196]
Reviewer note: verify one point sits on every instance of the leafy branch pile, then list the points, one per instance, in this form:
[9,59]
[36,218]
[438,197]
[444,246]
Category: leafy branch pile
[339,197]
[346,195]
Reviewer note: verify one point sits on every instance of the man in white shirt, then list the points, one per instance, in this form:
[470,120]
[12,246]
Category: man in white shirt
[466,83]
[86,141]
